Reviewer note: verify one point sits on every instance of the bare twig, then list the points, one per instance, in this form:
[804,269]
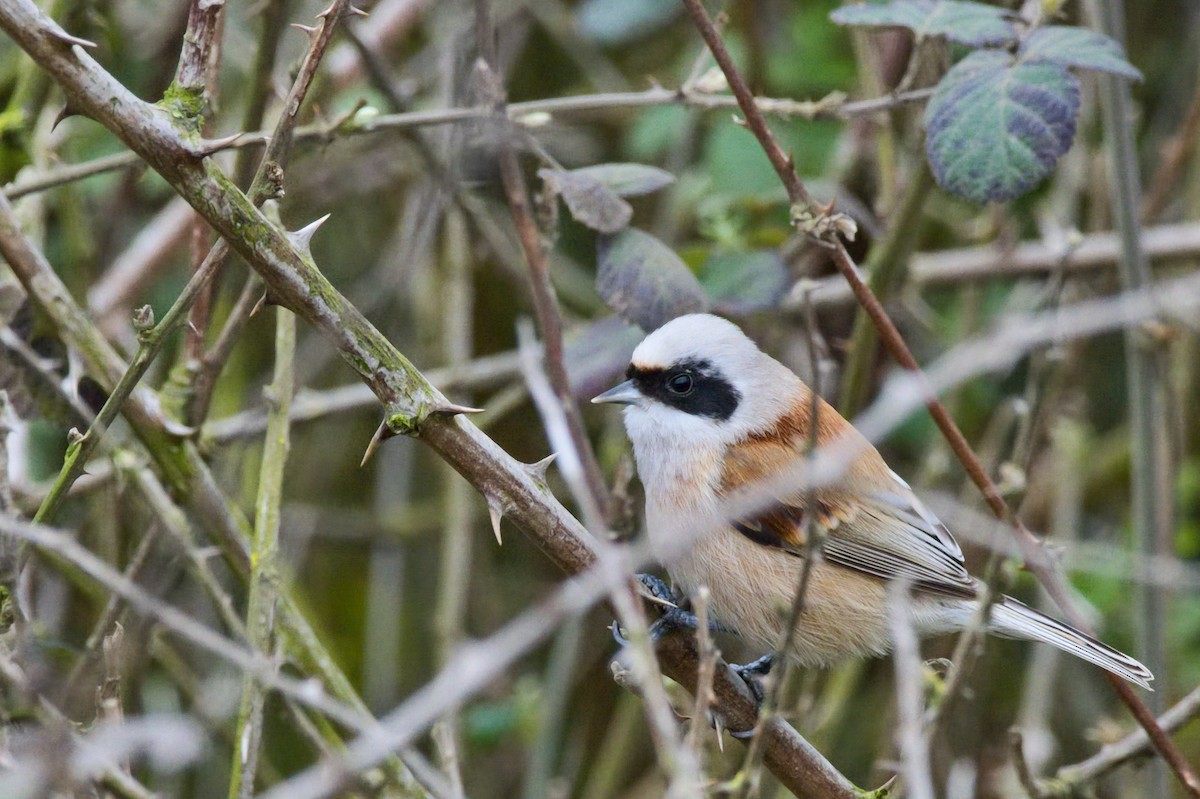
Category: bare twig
[1136,744]
[549,318]
[116,778]
[813,537]
[833,107]
[1031,548]
[1153,507]
[910,694]
[675,758]
[264,556]
[114,292]
[1174,157]
[1091,252]
[482,373]
[179,622]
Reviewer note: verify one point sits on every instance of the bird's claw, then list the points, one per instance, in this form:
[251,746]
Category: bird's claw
[672,616]
[658,589]
[752,674]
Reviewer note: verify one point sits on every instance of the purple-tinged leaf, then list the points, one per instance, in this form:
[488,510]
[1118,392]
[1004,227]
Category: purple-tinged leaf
[590,201]
[996,127]
[644,281]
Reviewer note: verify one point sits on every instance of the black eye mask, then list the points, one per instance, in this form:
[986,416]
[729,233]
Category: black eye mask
[691,385]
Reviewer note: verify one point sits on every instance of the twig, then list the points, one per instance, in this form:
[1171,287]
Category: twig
[1031,548]
[910,693]
[267,182]
[1024,774]
[1153,507]
[151,338]
[813,537]
[1174,156]
[828,108]
[108,616]
[212,363]
[545,305]
[675,758]
[887,269]
[264,556]
[709,656]
[480,374]
[179,622]
[1136,744]
[457,545]
[1030,259]
[113,775]
[141,262]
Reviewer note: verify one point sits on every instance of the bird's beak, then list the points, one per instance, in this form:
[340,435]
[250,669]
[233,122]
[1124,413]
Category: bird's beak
[624,394]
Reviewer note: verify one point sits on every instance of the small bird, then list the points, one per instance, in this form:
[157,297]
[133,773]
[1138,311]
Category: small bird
[711,416]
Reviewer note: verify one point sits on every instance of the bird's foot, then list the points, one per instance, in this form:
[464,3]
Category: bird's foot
[674,615]
[752,674]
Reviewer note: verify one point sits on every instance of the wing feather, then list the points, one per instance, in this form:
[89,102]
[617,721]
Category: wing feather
[884,530]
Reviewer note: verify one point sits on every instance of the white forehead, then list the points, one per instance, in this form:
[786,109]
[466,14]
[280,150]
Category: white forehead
[695,336]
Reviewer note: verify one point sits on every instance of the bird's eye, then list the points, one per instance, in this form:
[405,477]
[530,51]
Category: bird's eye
[680,384]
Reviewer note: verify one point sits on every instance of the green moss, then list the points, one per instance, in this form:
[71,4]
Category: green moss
[186,107]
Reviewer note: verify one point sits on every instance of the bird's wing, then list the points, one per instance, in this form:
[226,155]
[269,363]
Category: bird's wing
[884,531]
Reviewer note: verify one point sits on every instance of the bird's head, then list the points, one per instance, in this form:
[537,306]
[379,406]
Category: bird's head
[699,379]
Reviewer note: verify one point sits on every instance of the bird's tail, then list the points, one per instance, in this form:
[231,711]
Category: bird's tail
[1013,619]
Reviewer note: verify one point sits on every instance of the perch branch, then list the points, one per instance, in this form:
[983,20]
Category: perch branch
[411,403]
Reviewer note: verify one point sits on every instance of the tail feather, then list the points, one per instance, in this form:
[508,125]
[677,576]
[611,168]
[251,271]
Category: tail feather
[1013,619]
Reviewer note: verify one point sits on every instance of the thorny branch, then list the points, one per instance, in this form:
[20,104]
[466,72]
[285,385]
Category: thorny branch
[411,403]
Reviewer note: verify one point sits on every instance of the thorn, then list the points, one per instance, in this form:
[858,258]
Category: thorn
[303,237]
[210,146]
[327,11]
[720,728]
[450,409]
[192,327]
[309,29]
[67,111]
[355,11]
[258,305]
[63,36]
[381,433]
[538,470]
[495,513]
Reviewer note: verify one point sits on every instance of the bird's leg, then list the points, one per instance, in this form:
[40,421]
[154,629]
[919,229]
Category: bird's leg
[675,613]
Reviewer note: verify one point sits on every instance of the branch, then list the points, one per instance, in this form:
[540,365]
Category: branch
[411,403]
[264,556]
[832,107]
[1136,744]
[1031,549]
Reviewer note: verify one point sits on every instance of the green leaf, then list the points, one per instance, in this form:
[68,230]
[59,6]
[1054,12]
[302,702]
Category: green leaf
[1077,47]
[614,22]
[996,127]
[743,282]
[644,281]
[628,180]
[972,24]
[591,202]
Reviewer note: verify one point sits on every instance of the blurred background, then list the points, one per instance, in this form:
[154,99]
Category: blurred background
[396,562]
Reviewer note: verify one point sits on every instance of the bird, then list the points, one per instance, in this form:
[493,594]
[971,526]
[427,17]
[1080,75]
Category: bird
[711,416]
